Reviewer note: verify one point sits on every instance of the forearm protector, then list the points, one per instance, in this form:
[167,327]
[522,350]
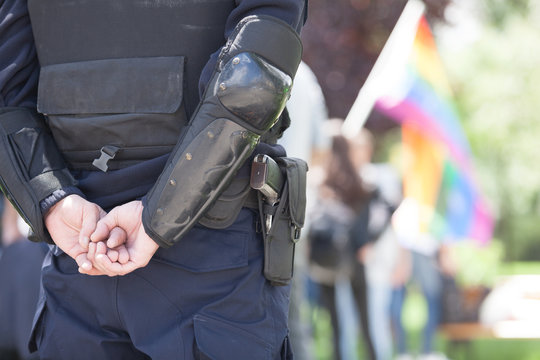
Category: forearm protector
[31,167]
[246,95]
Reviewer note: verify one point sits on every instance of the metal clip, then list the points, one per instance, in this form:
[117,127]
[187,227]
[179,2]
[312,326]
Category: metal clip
[108,152]
[295,232]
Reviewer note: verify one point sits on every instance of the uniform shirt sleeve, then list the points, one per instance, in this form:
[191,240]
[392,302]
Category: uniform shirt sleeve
[19,68]
[19,71]
[293,12]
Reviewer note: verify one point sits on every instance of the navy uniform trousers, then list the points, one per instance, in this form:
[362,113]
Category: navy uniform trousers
[204,298]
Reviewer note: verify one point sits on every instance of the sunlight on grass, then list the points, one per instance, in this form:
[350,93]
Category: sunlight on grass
[322,332]
[414,314]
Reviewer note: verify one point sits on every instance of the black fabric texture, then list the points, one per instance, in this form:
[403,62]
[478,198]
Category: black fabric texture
[19,68]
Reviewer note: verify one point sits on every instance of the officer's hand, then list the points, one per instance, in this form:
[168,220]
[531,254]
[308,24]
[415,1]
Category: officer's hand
[140,247]
[115,250]
[70,222]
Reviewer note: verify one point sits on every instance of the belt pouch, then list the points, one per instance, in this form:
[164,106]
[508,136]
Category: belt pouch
[287,220]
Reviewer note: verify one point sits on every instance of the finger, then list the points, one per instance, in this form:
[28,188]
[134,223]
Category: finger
[88,225]
[84,241]
[112,254]
[117,237]
[115,268]
[123,255]
[101,251]
[83,263]
[101,233]
[85,266]
[91,254]
[101,248]
[104,226]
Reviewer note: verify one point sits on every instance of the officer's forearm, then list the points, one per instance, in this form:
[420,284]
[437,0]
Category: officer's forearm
[31,167]
[247,93]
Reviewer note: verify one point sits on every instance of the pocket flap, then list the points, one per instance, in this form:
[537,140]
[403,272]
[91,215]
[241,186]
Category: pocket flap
[112,86]
[296,170]
[217,339]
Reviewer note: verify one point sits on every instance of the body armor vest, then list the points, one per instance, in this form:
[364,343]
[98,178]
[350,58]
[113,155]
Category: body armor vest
[122,74]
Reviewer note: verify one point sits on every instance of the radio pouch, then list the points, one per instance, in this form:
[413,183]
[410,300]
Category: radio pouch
[286,219]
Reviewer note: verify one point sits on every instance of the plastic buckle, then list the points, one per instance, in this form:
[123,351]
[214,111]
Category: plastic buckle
[108,152]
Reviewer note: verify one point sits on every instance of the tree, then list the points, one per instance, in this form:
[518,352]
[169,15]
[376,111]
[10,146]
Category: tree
[496,87]
[343,38]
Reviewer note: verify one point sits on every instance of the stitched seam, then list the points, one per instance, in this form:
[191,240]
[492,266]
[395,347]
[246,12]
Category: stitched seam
[117,308]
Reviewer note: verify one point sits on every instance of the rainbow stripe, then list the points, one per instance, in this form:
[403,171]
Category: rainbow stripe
[439,173]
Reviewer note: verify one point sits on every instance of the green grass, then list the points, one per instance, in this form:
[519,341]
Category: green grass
[322,332]
[517,268]
[496,349]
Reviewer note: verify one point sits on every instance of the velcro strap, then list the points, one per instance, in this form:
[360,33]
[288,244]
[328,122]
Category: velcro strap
[44,184]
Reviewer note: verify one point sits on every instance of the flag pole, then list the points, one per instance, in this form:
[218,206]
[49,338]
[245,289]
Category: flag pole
[399,42]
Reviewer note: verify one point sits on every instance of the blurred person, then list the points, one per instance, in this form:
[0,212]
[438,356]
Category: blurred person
[341,201]
[400,278]
[11,229]
[426,272]
[304,139]
[20,269]
[379,250]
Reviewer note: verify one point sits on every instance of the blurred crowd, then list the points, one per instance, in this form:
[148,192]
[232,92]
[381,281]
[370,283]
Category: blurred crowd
[20,269]
[350,262]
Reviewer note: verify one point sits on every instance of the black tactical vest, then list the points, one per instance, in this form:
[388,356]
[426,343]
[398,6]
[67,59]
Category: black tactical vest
[122,73]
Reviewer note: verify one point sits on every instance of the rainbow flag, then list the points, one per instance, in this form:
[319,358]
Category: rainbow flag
[438,170]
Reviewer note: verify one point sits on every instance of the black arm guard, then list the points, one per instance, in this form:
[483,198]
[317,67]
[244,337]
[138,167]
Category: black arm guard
[31,167]
[245,96]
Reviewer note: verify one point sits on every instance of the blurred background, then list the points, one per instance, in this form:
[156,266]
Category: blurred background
[488,278]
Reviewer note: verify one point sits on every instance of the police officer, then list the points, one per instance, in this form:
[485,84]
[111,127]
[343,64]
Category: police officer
[149,110]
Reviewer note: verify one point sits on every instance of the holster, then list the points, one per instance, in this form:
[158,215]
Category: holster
[287,221]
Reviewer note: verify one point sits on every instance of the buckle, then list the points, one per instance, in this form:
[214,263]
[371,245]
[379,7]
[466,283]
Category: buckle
[108,152]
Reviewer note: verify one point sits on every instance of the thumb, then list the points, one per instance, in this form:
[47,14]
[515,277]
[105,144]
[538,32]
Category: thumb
[104,226]
[89,221]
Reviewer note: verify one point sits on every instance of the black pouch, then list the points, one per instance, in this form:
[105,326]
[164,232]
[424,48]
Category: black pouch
[287,221]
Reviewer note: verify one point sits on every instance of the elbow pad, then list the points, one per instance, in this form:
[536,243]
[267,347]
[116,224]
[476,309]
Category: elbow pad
[31,166]
[245,97]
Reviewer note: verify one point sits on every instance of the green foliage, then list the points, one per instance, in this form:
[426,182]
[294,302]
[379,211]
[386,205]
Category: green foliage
[497,88]
[498,11]
[478,265]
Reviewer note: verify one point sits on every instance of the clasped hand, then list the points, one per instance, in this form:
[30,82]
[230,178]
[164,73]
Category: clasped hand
[101,243]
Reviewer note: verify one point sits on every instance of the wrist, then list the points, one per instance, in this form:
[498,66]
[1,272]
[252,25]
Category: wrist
[50,201]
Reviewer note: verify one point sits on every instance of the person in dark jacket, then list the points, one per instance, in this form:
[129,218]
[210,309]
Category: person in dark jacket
[338,225]
[126,129]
